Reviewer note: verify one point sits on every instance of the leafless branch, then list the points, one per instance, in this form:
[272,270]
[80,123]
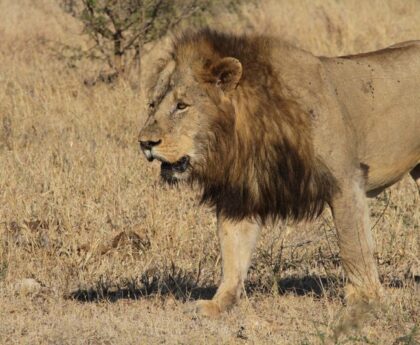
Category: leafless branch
[120,28]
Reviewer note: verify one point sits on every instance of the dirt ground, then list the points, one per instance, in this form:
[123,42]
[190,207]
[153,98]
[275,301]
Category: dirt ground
[96,250]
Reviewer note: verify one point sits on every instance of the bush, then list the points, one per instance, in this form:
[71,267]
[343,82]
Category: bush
[119,29]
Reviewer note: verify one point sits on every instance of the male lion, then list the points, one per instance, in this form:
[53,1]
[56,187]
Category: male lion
[270,131]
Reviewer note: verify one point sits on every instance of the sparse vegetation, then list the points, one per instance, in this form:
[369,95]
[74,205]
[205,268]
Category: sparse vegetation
[119,29]
[116,256]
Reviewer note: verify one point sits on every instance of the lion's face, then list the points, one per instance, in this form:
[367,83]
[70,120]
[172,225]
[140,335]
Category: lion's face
[182,105]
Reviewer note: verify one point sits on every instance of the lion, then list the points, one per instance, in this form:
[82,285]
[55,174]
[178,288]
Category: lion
[270,132]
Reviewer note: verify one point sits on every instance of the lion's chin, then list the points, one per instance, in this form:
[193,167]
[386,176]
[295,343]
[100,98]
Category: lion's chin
[175,172]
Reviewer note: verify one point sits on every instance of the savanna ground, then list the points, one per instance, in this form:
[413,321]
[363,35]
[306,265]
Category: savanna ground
[95,250]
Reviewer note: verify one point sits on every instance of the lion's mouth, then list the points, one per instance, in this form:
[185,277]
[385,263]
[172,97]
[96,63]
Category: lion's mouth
[170,171]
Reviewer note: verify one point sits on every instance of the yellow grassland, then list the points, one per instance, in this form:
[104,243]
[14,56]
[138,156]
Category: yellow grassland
[114,256]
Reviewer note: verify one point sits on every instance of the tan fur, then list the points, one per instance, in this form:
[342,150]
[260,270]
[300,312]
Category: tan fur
[272,131]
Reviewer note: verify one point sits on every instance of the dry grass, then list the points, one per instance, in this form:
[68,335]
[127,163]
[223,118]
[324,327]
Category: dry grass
[114,254]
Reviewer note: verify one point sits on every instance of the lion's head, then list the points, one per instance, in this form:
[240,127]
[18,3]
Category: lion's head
[217,115]
[185,100]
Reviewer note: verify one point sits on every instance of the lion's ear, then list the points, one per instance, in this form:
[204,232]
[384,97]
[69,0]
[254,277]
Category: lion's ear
[228,72]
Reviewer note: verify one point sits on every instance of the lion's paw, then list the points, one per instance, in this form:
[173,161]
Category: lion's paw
[363,306]
[369,296]
[208,308]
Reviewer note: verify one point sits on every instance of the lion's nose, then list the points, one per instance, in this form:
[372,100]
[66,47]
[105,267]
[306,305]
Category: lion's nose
[148,144]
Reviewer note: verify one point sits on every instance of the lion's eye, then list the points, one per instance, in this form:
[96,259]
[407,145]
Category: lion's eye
[181,106]
[151,105]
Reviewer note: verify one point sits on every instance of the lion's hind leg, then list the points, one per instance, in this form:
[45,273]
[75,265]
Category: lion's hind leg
[415,174]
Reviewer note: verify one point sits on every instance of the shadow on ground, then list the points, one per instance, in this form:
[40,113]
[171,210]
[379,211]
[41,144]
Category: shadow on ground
[315,286]
[179,284]
[184,288]
[183,293]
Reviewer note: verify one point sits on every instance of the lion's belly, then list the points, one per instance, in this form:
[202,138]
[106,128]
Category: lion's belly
[388,136]
[390,149]
[382,174]
[389,142]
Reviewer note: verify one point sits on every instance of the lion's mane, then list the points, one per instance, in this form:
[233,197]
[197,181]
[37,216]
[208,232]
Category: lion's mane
[260,157]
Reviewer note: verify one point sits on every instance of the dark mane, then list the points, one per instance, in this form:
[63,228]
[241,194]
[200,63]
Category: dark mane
[260,158]
[209,45]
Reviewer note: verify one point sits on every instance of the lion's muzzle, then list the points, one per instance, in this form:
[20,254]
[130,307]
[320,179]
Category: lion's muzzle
[147,147]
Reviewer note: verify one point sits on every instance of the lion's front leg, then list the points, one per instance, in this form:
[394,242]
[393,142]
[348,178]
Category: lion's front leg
[351,216]
[237,242]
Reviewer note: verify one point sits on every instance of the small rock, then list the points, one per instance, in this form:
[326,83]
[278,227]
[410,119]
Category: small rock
[27,286]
